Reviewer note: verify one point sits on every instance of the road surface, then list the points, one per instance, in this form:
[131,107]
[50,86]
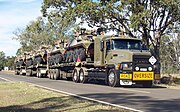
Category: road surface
[156,99]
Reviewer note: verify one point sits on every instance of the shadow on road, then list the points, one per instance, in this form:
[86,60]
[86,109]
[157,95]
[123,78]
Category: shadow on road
[144,103]
[101,82]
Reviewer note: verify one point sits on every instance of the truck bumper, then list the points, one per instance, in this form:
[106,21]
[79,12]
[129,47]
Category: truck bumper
[127,78]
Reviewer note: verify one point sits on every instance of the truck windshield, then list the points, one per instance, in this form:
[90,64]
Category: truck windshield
[126,44]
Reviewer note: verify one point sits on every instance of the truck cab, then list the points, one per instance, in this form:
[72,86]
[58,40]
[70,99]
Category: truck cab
[126,60]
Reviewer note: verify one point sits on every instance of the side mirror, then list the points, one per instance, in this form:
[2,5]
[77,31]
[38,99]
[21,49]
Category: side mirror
[102,46]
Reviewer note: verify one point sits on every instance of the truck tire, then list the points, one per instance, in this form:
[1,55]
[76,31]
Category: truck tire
[113,79]
[39,75]
[27,72]
[82,78]
[52,74]
[49,74]
[56,74]
[30,72]
[75,76]
[60,74]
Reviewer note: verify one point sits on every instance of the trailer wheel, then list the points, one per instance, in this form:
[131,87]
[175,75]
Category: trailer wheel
[27,72]
[30,74]
[37,73]
[60,74]
[50,73]
[56,74]
[40,75]
[113,80]
[82,77]
[75,76]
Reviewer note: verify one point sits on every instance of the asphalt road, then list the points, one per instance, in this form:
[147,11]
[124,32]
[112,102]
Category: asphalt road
[156,99]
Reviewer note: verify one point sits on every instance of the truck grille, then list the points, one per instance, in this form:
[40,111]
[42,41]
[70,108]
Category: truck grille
[141,60]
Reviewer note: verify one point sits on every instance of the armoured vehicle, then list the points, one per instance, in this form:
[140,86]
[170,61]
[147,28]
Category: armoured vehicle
[20,64]
[30,68]
[63,56]
[40,62]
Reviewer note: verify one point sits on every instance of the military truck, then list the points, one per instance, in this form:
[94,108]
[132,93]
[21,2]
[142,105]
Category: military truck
[118,60]
[20,64]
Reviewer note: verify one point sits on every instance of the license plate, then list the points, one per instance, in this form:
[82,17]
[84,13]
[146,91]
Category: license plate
[143,75]
[125,76]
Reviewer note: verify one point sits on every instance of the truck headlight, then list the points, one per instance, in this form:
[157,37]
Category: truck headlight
[137,68]
[126,66]
[150,68]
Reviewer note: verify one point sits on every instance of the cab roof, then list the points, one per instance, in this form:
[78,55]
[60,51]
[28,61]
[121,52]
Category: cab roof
[119,37]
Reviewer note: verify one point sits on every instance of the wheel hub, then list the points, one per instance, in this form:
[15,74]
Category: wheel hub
[111,77]
[81,76]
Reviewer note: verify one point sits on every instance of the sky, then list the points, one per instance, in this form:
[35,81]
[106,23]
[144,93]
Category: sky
[15,14]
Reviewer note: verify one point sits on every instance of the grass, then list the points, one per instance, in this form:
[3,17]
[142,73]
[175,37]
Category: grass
[21,97]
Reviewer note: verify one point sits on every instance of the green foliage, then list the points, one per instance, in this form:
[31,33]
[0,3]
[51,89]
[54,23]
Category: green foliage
[149,19]
[2,60]
[34,35]
[10,62]
[44,31]
[170,46]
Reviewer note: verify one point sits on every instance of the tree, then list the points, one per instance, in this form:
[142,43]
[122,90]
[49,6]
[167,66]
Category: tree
[34,35]
[2,60]
[43,32]
[10,62]
[149,19]
[169,49]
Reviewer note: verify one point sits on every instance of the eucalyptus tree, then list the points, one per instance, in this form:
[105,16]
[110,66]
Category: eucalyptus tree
[34,35]
[149,19]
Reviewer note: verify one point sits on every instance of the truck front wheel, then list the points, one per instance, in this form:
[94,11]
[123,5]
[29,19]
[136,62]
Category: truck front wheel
[56,74]
[113,79]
